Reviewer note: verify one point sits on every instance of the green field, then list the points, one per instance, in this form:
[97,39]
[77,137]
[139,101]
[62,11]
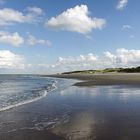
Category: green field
[107,70]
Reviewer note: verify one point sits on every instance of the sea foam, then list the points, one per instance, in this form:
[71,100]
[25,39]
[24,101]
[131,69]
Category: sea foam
[41,94]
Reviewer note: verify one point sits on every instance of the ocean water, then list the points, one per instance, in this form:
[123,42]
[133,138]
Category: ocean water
[16,90]
[68,112]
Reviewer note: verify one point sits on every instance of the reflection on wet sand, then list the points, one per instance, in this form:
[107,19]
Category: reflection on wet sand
[101,113]
[80,127]
[76,113]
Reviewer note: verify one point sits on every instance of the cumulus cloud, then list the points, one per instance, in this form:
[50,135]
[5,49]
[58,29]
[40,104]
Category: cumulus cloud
[86,58]
[11,38]
[32,40]
[9,60]
[77,20]
[10,16]
[122,4]
[128,57]
[122,58]
[17,40]
[74,63]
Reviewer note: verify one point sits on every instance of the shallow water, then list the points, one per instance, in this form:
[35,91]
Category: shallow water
[106,112]
[16,90]
[76,113]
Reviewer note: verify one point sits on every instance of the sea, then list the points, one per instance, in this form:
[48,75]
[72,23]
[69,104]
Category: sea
[16,90]
[38,108]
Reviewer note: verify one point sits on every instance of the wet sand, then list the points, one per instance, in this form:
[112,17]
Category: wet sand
[31,135]
[103,79]
[35,120]
[32,121]
[109,112]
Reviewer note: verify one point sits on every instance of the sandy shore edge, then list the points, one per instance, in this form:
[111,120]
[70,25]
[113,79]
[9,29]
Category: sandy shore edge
[102,79]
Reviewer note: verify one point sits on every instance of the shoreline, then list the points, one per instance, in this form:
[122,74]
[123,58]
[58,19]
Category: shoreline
[45,93]
[36,120]
[70,112]
[102,79]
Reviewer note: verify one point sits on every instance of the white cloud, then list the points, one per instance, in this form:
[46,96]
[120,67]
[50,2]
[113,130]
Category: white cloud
[16,40]
[122,58]
[34,41]
[128,57]
[127,27]
[9,60]
[77,20]
[10,16]
[81,58]
[11,38]
[75,63]
[35,10]
[122,4]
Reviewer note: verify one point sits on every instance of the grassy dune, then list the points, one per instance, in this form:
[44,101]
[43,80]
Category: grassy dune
[108,70]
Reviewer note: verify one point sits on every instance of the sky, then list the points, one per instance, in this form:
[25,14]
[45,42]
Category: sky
[54,36]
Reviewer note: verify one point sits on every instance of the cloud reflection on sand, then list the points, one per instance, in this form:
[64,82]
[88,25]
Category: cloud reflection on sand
[94,108]
[120,92]
[80,127]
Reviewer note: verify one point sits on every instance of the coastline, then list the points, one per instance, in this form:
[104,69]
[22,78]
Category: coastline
[72,112]
[43,93]
[102,79]
[36,119]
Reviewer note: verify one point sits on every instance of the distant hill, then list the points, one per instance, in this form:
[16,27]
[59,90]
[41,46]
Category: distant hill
[130,70]
[107,70]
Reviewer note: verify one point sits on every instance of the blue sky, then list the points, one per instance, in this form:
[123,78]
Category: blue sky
[49,36]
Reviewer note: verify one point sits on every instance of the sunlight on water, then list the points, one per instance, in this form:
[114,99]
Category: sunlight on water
[17,90]
[75,113]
